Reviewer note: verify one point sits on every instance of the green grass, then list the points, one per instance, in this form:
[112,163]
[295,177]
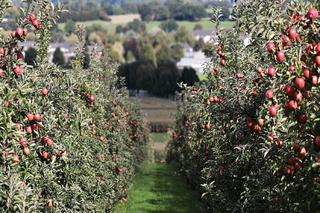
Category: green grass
[159,137]
[202,76]
[158,189]
[206,24]
[110,27]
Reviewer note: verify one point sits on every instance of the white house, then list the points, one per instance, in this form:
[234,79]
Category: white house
[193,59]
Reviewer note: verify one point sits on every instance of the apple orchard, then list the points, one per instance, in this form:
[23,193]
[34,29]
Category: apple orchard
[248,138]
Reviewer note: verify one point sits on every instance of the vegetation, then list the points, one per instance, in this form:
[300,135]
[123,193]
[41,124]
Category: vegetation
[157,188]
[70,139]
[249,137]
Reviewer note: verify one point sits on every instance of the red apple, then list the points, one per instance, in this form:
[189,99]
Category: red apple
[317,60]
[26,151]
[23,142]
[19,32]
[44,154]
[270,46]
[1,73]
[313,13]
[309,48]
[317,142]
[292,104]
[28,129]
[20,56]
[36,24]
[271,71]
[239,75]
[269,94]
[272,110]
[318,48]
[44,91]
[1,51]
[293,34]
[286,41]
[280,56]
[307,73]
[296,147]
[302,118]
[34,127]
[288,89]
[222,62]
[91,98]
[300,83]
[297,96]
[302,152]
[30,116]
[291,68]
[17,70]
[314,80]
[37,117]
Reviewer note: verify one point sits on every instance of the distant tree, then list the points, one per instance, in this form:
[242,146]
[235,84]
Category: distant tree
[166,82]
[183,35]
[199,45]
[146,12]
[86,59]
[117,10]
[198,27]
[129,7]
[145,75]
[172,53]
[58,57]
[137,26]
[31,56]
[70,27]
[145,51]
[121,29]
[169,25]
[174,6]
[160,12]
[189,76]
[190,12]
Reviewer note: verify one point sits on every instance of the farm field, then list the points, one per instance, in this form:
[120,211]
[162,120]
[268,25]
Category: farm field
[157,110]
[124,19]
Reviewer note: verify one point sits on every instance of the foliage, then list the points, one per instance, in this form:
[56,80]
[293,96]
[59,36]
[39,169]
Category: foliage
[189,76]
[249,135]
[169,26]
[31,56]
[70,27]
[70,139]
[58,57]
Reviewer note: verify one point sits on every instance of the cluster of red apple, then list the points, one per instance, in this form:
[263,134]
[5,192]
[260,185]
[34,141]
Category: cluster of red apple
[302,81]
[19,34]
[47,142]
[87,97]
[214,99]
[221,54]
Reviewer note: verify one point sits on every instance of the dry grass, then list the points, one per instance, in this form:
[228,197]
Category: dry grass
[124,19]
[157,110]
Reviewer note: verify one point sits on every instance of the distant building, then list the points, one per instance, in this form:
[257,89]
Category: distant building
[206,35]
[193,59]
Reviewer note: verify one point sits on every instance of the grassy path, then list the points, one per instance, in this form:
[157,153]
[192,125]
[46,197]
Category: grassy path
[157,189]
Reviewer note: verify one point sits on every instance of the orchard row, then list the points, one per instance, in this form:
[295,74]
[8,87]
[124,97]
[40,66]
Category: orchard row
[250,135]
[70,139]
